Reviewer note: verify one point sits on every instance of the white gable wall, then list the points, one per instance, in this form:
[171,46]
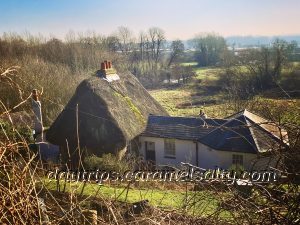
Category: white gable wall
[208,158]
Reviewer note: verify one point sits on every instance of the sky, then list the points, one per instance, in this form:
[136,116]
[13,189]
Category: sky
[181,19]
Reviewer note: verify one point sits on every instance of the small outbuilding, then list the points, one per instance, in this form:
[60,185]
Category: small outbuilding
[244,139]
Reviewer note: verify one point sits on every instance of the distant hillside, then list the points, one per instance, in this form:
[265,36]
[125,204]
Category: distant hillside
[244,41]
[249,41]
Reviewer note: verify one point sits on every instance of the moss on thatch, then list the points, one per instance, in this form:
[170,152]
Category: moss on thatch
[109,115]
[131,106]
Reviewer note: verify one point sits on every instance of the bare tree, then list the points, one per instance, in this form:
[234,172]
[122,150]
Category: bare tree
[157,39]
[266,64]
[126,39]
[142,45]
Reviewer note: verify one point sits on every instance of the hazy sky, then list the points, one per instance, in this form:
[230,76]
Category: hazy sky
[178,18]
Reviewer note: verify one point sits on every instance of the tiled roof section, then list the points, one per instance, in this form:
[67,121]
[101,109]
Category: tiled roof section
[186,128]
[242,132]
[233,135]
[269,126]
[264,140]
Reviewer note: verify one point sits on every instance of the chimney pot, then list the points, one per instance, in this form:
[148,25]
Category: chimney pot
[109,65]
[106,65]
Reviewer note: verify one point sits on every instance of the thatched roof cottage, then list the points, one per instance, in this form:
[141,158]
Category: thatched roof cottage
[106,112]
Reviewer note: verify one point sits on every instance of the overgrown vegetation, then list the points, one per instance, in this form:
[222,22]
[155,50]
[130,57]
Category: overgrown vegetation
[209,49]
[257,70]
[108,162]
[262,80]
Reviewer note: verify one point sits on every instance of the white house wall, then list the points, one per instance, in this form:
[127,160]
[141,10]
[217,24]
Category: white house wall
[210,158]
[186,152]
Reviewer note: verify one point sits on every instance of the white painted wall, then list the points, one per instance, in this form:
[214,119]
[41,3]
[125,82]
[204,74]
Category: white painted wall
[210,158]
[186,152]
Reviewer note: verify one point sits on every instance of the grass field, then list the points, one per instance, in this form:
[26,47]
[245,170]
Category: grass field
[201,203]
[204,92]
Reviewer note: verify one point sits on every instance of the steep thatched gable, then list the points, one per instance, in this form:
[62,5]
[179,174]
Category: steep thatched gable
[109,115]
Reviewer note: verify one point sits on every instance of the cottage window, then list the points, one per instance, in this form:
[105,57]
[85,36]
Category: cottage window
[170,148]
[237,160]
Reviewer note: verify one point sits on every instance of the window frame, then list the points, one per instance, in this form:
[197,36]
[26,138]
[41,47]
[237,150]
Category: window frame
[238,159]
[170,148]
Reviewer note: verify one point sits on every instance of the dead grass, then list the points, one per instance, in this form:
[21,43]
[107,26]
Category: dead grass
[202,92]
[25,201]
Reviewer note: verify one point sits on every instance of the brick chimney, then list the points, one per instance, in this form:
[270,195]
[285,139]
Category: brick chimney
[106,69]
[103,66]
[106,65]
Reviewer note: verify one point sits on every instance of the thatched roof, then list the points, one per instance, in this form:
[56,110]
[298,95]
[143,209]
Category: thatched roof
[109,114]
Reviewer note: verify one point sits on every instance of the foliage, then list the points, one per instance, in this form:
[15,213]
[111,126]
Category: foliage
[266,64]
[107,162]
[177,50]
[18,134]
[51,64]
[255,71]
[209,48]
[237,169]
[49,78]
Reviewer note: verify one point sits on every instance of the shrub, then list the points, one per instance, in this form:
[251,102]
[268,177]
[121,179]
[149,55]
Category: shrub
[18,134]
[238,169]
[107,162]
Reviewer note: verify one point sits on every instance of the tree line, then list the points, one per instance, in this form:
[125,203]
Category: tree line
[49,62]
[148,55]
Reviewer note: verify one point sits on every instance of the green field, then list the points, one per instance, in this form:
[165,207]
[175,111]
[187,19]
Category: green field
[201,203]
[204,91]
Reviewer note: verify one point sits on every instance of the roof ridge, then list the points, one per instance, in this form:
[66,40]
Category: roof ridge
[221,125]
[266,121]
[251,142]
[253,136]
[235,114]
[256,114]
[184,117]
[265,130]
